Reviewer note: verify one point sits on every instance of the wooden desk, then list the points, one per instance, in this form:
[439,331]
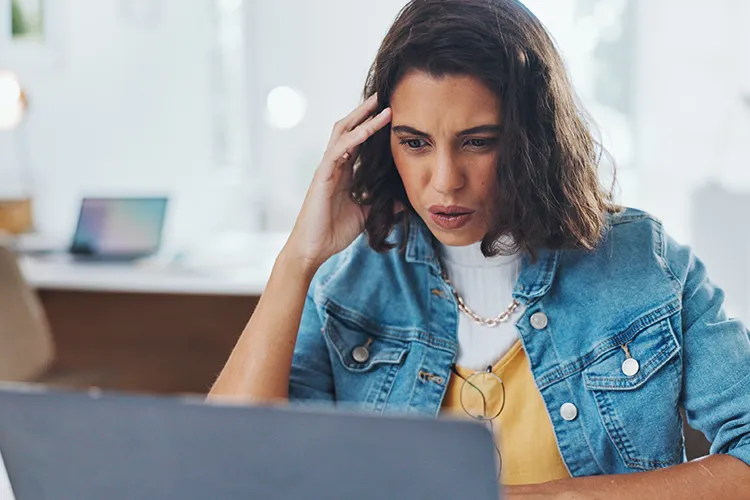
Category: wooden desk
[145,328]
[162,343]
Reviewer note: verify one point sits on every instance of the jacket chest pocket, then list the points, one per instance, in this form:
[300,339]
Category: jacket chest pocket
[364,363]
[636,386]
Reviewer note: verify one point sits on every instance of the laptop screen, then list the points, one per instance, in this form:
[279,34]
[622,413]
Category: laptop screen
[119,226]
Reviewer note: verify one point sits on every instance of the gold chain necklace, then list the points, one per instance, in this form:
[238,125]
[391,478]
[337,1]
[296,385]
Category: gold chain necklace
[490,322]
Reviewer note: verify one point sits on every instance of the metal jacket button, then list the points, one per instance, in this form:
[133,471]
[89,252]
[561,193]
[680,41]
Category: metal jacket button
[539,321]
[630,367]
[568,411]
[361,354]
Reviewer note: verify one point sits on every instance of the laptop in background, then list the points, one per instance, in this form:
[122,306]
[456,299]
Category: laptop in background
[94,446]
[119,229]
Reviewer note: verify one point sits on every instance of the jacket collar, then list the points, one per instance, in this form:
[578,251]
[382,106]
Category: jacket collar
[536,277]
[420,243]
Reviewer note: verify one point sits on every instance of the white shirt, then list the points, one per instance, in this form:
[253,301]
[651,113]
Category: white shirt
[486,286]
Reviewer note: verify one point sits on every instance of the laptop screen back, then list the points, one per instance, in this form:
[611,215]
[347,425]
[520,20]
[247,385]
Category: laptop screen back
[119,226]
[120,447]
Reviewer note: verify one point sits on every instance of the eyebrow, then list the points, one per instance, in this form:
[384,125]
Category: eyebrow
[481,129]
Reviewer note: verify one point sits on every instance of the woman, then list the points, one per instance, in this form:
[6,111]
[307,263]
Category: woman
[495,278]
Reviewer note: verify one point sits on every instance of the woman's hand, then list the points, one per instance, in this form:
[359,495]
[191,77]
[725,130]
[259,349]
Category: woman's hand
[259,367]
[330,219]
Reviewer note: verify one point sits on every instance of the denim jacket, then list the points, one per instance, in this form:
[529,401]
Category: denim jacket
[638,289]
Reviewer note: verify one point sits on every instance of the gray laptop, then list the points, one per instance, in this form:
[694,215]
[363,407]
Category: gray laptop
[118,229]
[59,445]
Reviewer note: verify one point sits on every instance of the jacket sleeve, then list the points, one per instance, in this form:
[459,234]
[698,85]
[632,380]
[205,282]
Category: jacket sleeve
[311,377]
[716,358]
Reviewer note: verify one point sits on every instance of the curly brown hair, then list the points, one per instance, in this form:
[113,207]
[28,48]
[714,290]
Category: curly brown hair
[549,190]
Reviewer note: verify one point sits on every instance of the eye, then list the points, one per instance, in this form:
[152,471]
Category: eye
[414,144]
[481,143]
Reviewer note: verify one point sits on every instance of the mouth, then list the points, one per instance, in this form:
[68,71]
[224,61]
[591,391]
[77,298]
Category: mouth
[452,217]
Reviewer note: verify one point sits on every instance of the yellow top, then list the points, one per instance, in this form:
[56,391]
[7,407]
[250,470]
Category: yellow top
[523,430]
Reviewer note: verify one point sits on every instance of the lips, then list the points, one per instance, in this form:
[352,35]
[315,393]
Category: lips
[451,217]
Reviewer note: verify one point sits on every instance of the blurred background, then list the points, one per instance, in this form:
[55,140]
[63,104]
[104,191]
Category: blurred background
[225,106]
[113,110]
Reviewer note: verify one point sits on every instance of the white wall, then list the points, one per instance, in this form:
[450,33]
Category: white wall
[125,108]
[693,132]
[324,49]
[693,64]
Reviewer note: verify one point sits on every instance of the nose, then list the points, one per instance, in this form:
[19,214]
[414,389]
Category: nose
[447,175]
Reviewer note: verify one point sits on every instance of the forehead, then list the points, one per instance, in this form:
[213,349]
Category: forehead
[452,100]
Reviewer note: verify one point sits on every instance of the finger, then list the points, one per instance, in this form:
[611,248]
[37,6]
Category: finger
[331,164]
[345,151]
[369,119]
[347,157]
[361,112]
[364,123]
[353,119]
[356,137]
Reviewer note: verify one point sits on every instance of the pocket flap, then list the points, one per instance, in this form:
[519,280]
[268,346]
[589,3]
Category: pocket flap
[652,347]
[380,349]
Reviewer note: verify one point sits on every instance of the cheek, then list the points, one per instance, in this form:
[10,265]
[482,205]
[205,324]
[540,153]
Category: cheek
[486,179]
[408,175]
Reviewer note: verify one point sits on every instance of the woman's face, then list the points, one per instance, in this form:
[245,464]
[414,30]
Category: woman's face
[444,138]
